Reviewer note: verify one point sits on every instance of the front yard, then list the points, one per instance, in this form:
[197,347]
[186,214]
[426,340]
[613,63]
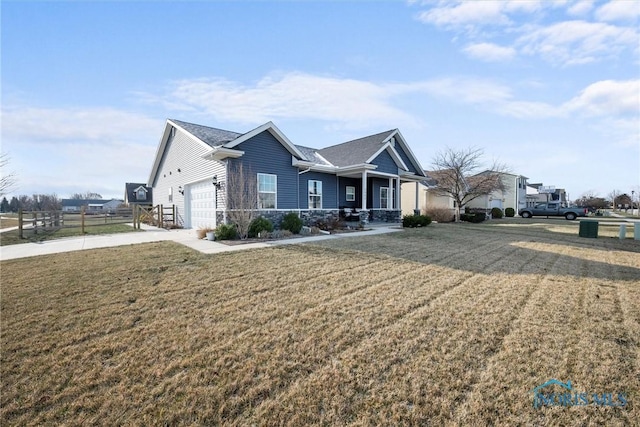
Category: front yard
[445,325]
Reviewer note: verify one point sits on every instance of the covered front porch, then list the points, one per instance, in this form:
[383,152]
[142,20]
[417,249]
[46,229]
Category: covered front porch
[370,196]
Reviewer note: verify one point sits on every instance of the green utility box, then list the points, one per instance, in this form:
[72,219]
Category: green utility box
[588,229]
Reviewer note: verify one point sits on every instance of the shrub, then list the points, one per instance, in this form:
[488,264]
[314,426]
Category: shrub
[259,225]
[412,221]
[473,217]
[202,232]
[291,222]
[330,224]
[496,213]
[509,212]
[440,214]
[226,232]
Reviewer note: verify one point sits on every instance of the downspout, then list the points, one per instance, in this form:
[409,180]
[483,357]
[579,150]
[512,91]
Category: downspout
[300,173]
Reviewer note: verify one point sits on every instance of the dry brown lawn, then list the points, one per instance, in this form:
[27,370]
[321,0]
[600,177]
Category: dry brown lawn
[447,325]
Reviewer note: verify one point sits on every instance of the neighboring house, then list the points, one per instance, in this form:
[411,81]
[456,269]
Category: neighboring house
[90,205]
[513,196]
[422,196]
[364,175]
[534,196]
[137,194]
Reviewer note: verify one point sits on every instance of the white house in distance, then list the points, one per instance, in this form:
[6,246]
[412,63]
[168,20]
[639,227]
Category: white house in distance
[423,196]
[513,196]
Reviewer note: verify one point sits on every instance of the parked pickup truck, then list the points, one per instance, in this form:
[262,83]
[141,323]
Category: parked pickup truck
[553,209]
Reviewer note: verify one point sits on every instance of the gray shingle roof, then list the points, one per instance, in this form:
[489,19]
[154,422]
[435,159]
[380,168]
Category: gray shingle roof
[354,152]
[311,155]
[210,136]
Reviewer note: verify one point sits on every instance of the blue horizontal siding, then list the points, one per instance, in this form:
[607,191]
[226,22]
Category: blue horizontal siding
[329,189]
[342,192]
[385,163]
[264,154]
[405,159]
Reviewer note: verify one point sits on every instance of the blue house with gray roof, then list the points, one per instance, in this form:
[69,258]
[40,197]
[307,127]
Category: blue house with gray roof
[360,178]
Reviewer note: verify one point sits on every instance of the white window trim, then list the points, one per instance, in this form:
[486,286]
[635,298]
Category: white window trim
[275,203]
[353,196]
[314,195]
[386,199]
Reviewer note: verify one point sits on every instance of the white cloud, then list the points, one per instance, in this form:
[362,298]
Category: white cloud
[577,42]
[490,52]
[581,8]
[291,95]
[608,98]
[620,10]
[467,13]
[535,30]
[44,125]
[77,150]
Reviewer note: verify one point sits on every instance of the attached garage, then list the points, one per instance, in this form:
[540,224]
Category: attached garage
[200,205]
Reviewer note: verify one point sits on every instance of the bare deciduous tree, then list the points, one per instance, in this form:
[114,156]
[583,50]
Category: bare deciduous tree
[86,196]
[8,179]
[458,175]
[242,198]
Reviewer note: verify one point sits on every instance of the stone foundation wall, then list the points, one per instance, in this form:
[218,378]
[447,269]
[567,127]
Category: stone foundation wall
[309,217]
[379,215]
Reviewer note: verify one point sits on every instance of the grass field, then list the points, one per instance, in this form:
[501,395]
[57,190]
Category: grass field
[454,324]
[12,237]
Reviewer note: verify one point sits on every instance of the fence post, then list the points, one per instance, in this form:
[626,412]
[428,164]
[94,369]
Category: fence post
[20,223]
[160,207]
[82,219]
[35,222]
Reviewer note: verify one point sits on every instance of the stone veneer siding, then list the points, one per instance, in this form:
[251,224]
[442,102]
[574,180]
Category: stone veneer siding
[311,217]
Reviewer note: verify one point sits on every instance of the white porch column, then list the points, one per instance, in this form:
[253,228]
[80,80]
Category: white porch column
[364,190]
[398,198]
[417,195]
[389,200]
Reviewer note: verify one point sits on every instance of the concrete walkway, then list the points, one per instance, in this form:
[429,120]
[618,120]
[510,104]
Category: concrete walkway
[151,234]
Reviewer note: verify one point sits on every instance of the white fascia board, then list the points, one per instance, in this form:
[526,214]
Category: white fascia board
[394,154]
[159,153]
[269,126]
[220,153]
[356,168]
[403,143]
[303,164]
[410,176]
[189,134]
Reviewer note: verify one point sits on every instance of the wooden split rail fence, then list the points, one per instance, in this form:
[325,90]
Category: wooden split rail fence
[49,221]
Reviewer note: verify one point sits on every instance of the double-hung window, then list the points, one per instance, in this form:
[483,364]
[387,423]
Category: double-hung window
[315,194]
[267,191]
[351,193]
[384,197]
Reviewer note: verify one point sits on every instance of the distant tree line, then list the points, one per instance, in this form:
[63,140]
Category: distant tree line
[616,199]
[41,202]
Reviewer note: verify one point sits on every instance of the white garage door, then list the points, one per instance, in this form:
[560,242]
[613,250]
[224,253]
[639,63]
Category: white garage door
[201,203]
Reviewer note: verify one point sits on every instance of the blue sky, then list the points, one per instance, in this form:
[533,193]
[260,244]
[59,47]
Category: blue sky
[551,88]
